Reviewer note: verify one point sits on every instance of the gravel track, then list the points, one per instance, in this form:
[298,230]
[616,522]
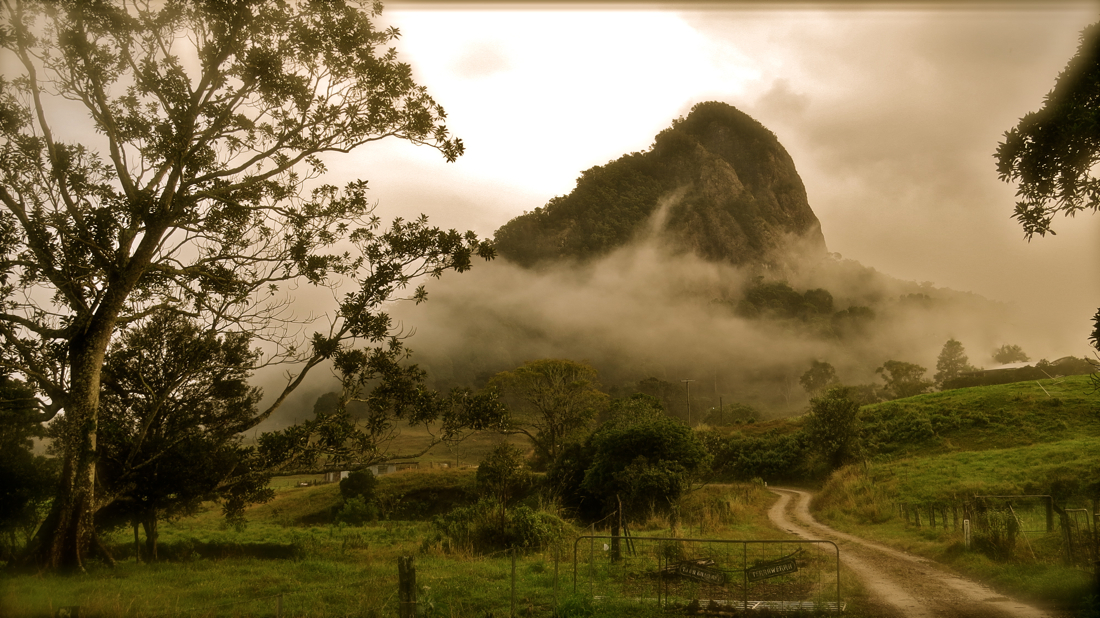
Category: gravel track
[901,584]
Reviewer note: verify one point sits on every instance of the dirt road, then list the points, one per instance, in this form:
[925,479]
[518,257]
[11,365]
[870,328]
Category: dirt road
[901,584]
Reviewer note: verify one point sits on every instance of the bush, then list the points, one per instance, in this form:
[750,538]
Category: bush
[995,533]
[730,414]
[477,528]
[532,529]
[772,456]
[356,511]
[359,483]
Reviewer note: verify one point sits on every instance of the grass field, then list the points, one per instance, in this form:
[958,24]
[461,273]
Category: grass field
[210,570]
[1014,439]
[983,418]
[1018,438]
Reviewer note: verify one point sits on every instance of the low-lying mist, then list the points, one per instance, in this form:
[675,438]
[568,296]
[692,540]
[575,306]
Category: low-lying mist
[645,311]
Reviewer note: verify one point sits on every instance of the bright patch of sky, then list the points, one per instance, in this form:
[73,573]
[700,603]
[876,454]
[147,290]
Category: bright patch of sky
[554,92]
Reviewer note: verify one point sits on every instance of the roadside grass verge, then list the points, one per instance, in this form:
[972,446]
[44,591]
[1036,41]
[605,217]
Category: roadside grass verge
[863,499]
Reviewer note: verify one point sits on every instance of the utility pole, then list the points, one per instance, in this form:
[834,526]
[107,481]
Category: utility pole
[687,389]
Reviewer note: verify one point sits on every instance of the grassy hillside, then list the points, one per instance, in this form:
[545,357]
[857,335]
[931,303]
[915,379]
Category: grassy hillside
[983,417]
[942,448]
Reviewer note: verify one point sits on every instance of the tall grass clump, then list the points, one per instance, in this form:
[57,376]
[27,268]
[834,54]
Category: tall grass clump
[479,528]
[854,493]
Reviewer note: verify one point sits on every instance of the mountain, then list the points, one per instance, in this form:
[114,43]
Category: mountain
[716,183]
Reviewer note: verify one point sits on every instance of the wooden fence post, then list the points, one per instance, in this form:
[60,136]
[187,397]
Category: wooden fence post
[406,587]
[1049,504]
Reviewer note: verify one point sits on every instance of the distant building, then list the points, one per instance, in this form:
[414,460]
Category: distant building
[377,470]
[390,468]
[335,477]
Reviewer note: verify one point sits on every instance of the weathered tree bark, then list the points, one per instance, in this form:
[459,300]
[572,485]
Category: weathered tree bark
[149,522]
[62,541]
[102,550]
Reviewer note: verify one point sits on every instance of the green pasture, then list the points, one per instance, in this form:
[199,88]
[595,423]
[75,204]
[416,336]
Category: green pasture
[208,569]
[983,418]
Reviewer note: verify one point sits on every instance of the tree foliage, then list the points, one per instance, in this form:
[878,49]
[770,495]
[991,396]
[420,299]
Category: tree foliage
[358,502]
[738,197]
[780,300]
[503,475]
[634,407]
[551,401]
[952,363]
[833,428]
[1010,354]
[904,379]
[646,464]
[1051,154]
[175,398]
[26,479]
[359,483]
[771,456]
[818,377]
[211,120]
[357,426]
[671,397]
[731,413]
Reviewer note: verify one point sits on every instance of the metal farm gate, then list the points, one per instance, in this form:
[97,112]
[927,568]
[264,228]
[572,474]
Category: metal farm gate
[709,574]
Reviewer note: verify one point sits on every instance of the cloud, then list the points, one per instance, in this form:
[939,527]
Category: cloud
[482,59]
[643,312]
[782,100]
[896,149]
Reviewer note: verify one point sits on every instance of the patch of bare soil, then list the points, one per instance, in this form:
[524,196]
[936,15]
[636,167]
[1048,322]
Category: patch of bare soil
[901,584]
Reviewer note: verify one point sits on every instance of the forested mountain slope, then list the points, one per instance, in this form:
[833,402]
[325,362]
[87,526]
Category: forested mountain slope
[731,192]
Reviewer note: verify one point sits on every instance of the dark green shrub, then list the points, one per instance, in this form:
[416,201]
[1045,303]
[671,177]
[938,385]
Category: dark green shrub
[995,533]
[359,483]
[530,528]
[772,456]
[477,528]
[356,511]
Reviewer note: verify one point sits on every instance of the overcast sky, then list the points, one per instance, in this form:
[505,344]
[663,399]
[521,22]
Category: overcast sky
[891,115]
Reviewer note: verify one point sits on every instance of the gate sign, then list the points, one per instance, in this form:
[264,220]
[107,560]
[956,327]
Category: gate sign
[702,573]
[772,569]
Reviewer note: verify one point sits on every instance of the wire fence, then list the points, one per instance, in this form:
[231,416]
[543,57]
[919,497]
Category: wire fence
[715,574]
[709,574]
[1007,527]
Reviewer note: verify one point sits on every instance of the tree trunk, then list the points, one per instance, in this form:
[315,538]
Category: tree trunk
[137,542]
[149,522]
[64,538]
[102,550]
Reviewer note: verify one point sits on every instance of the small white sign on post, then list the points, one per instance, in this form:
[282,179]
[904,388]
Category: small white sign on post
[966,533]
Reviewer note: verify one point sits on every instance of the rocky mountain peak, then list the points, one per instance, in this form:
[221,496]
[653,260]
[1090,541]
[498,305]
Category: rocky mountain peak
[731,190]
